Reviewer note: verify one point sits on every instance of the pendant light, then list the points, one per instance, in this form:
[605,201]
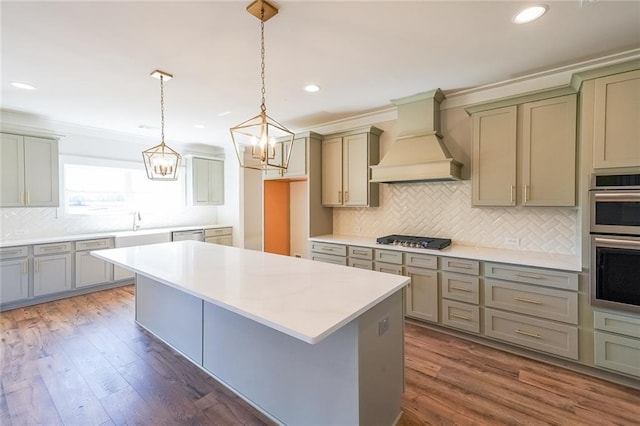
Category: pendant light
[161,162]
[261,142]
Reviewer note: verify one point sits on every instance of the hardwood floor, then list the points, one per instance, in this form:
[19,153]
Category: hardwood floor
[84,361]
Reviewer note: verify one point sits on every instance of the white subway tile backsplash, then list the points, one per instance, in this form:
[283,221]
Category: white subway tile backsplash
[444,210]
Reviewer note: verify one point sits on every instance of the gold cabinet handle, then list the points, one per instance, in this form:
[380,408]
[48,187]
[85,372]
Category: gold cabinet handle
[10,253]
[36,265]
[25,267]
[512,193]
[28,198]
[523,275]
[340,196]
[455,287]
[526,193]
[522,299]
[346,196]
[362,252]
[462,317]
[527,333]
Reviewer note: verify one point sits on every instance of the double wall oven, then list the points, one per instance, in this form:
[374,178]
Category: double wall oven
[615,241]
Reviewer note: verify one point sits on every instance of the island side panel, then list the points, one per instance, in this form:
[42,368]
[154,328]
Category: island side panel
[295,382]
[172,315]
[381,361]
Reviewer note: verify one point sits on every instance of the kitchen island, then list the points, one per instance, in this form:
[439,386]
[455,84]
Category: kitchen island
[302,341]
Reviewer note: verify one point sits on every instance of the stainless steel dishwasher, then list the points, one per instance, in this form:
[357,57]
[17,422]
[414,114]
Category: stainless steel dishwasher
[194,234]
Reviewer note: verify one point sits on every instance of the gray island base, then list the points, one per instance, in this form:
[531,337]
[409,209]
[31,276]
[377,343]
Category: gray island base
[352,374]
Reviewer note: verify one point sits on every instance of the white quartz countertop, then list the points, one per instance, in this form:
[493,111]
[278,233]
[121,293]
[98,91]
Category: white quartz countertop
[114,234]
[302,298]
[517,257]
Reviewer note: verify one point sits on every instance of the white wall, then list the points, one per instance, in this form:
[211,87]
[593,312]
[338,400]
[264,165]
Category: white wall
[91,145]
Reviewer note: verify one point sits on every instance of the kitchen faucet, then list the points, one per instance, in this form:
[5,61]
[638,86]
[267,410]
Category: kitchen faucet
[136,220]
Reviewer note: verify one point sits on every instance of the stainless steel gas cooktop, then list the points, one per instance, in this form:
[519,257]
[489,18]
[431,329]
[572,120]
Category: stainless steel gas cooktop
[415,242]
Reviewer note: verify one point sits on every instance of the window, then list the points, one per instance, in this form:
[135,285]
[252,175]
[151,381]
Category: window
[105,190]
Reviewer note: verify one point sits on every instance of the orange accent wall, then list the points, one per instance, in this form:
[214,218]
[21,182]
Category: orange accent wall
[276,217]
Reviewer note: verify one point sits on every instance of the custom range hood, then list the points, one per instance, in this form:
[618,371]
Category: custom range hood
[418,153]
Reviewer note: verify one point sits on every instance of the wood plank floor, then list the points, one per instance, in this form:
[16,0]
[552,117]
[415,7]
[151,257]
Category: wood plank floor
[84,361]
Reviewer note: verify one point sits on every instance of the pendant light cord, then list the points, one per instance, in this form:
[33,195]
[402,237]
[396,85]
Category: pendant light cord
[162,110]
[263,108]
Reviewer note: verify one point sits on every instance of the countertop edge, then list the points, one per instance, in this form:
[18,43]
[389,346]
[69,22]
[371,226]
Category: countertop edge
[561,262]
[110,234]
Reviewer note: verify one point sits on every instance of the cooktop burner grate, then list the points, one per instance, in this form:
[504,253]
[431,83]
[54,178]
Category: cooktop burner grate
[415,242]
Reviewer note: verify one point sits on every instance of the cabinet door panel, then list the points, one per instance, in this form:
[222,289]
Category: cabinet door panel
[356,170]
[332,172]
[422,294]
[297,161]
[200,181]
[14,280]
[11,170]
[617,121]
[41,171]
[549,152]
[51,274]
[90,270]
[494,157]
[216,182]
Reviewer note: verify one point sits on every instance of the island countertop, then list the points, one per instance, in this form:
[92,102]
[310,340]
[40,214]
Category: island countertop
[305,299]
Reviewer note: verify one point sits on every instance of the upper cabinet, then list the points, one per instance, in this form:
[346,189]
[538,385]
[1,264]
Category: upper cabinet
[525,153]
[28,171]
[206,181]
[346,158]
[297,161]
[616,126]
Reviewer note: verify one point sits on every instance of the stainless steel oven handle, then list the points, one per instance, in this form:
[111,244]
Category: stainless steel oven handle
[622,243]
[617,196]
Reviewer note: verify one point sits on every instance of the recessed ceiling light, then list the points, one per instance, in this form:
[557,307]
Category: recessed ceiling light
[24,86]
[199,126]
[223,113]
[311,88]
[529,14]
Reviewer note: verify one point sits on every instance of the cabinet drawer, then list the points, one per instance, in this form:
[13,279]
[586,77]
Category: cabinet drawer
[388,268]
[421,260]
[335,249]
[614,323]
[327,258]
[361,263]
[546,277]
[360,252]
[51,248]
[545,336]
[617,353]
[463,266]
[13,252]
[214,232]
[461,315]
[532,300]
[464,288]
[388,256]
[102,243]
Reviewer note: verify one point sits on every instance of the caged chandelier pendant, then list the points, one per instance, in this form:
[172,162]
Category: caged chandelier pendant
[161,162]
[261,142]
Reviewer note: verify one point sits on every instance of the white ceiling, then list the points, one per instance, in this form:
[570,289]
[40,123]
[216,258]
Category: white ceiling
[91,61]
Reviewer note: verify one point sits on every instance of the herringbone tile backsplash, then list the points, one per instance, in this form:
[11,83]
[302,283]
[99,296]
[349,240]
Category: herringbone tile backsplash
[444,210]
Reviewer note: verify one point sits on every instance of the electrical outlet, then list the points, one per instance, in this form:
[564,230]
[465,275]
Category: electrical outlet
[512,241]
[383,326]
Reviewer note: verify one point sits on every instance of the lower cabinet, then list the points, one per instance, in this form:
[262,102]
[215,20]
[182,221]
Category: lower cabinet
[617,342]
[51,274]
[223,236]
[14,276]
[89,269]
[541,335]
[463,316]
[422,294]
